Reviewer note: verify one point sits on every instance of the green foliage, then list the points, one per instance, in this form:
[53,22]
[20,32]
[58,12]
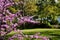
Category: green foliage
[16,0]
[30,8]
[12,9]
[48,8]
[15,38]
[15,20]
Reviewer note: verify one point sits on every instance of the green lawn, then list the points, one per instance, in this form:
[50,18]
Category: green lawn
[54,34]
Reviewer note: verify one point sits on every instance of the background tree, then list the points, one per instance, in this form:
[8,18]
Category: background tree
[30,7]
[47,8]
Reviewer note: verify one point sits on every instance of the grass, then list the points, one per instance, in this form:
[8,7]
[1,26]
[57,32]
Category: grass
[53,34]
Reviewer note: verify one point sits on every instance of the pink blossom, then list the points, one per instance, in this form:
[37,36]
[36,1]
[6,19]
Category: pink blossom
[5,25]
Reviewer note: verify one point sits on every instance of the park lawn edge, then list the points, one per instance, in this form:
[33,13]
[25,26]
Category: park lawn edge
[34,30]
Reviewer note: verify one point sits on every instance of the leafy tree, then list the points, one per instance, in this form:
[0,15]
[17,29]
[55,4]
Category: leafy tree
[30,8]
[47,9]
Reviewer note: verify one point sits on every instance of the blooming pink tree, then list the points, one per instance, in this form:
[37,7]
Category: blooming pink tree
[7,18]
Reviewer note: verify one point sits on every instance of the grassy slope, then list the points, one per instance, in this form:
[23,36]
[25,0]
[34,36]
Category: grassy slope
[52,33]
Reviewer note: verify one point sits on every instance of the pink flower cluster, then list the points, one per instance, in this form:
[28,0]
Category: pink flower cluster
[7,18]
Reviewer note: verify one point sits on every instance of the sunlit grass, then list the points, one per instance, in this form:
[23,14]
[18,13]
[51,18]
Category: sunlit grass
[54,34]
